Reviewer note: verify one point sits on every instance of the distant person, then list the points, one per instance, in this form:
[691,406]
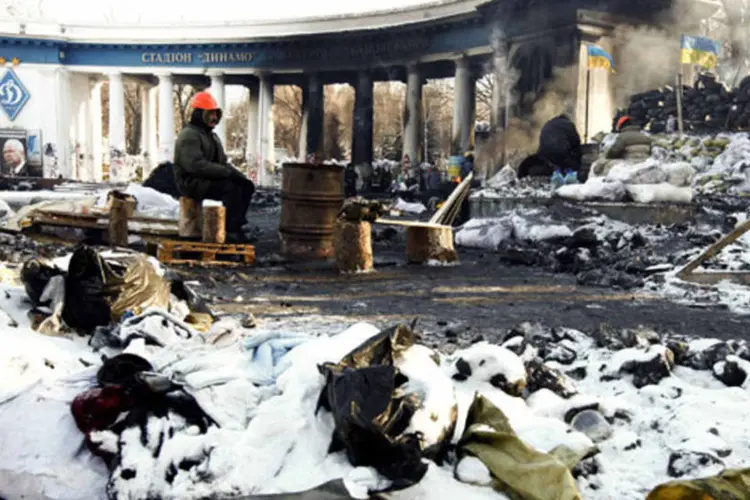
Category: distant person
[559,148]
[350,181]
[467,165]
[14,160]
[201,169]
[433,179]
[631,143]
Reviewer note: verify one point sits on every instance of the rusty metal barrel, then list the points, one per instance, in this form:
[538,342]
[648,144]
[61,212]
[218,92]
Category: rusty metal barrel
[311,198]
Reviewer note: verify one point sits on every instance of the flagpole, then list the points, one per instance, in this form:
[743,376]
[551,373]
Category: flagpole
[588,94]
[678,94]
[678,90]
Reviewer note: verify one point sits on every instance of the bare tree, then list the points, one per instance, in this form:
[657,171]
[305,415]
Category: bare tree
[236,126]
[183,94]
[485,88]
[133,117]
[287,109]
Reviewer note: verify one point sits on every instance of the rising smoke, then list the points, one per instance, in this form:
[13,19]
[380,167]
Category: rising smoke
[646,57]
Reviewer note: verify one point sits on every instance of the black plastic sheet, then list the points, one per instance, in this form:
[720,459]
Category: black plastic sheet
[371,413]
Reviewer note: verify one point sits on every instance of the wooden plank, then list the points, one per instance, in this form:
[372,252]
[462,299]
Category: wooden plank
[713,250]
[714,277]
[441,216]
[407,223]
[102,214]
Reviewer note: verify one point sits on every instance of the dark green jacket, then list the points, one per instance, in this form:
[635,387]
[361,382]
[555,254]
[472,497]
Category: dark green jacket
[631,144]
[199,159]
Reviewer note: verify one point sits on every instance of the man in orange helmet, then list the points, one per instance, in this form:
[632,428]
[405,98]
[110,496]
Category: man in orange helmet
[631,143]
[201,169]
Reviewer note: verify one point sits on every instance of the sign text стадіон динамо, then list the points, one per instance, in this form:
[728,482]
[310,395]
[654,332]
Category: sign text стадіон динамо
[204,57]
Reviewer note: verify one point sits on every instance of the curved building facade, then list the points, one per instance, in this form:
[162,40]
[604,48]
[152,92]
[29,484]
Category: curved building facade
[51,83]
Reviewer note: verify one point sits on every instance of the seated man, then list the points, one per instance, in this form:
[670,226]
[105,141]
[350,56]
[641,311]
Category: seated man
[559,147]
[631,143]
[201,170]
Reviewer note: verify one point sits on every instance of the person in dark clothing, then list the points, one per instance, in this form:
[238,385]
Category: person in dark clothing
[559,147]
[467,164]
[201,170]
[350,181]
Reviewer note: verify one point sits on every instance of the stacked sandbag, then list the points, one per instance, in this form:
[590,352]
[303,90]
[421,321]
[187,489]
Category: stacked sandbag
[707,106]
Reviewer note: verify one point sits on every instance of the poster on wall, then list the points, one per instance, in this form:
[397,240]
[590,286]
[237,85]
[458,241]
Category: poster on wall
[34,150]
[14,144]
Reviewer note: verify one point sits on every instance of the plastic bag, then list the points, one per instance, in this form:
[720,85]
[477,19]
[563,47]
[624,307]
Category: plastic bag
[99,290]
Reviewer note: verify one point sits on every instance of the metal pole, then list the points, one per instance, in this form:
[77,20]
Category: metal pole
[588,92]
[678,94]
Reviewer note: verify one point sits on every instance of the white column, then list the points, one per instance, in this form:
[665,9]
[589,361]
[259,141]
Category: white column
[116,113]
[152,142]
[166,118]
[251,145]
[143,146]
[265,129]
[463,107]
[95,141]
[217,90]
[60,164]
[413,115]
[83,135]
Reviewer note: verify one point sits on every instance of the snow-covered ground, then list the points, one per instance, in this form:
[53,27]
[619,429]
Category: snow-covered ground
[678,170]
[614,399]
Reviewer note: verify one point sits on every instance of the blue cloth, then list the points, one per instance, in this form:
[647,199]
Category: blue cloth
[571,177]
[557,179]
[267,352]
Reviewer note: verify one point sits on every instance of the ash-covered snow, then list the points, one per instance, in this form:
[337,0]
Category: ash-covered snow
[631,402]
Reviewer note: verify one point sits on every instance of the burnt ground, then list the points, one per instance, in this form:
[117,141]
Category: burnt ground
[481,298]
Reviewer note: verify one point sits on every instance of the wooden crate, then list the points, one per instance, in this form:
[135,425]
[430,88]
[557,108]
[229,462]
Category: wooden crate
[206,254]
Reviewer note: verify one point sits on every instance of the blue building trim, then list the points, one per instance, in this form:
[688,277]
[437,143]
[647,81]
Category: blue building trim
[371,48]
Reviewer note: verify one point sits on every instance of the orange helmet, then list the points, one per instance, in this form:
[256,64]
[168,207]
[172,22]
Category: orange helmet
[205,101]
[622,122]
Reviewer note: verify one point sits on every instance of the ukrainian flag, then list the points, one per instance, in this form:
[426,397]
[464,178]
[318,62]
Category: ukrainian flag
[699,50]
[598,58]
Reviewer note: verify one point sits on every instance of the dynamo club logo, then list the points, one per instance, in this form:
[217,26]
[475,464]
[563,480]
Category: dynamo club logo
[13,95]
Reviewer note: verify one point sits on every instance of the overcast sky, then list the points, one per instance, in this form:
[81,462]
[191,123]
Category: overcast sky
[193,11]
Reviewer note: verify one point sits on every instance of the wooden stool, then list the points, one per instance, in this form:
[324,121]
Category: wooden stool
[426,242]
[352,244]
[121,208]
[214,224]
[190,218]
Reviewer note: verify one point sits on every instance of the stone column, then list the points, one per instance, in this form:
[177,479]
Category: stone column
[251,142]
[61,163]
[95,119]
[363,118]
[413,115]
[166,118]
[217,90]
[502,78]
[116,113]
[311,130]
[83,127]
[149,126]
[265,130]
[464,108]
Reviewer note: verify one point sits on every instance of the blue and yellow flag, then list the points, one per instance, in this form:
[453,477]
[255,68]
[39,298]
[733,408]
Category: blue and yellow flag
[699,50]
[598,58]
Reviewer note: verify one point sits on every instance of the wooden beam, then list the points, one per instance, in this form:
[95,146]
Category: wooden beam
[713,250]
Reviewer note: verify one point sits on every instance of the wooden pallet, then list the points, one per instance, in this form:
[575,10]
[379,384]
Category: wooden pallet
[206,254]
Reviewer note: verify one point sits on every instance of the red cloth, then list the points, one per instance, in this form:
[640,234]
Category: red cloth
[97,409]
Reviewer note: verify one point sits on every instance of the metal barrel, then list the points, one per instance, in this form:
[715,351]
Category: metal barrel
[311,199]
